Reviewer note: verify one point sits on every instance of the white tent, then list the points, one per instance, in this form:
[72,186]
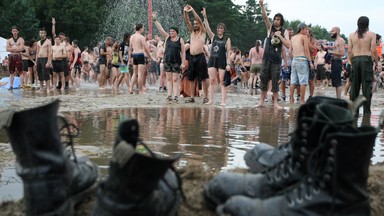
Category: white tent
[3,51]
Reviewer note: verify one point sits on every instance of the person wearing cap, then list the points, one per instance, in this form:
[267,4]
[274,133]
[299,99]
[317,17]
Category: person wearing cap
[272,56]
[299,66]
[174,58]
[337,52]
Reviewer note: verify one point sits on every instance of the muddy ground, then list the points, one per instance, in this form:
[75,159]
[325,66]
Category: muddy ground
[89,98]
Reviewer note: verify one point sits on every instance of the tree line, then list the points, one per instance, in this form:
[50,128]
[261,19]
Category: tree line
[84,20]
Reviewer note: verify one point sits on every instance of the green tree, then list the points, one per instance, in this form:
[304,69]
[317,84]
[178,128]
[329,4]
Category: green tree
[20,13]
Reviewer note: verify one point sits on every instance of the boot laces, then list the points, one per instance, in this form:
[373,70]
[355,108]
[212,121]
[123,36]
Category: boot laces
[321,168]
[67,132]
[293,161]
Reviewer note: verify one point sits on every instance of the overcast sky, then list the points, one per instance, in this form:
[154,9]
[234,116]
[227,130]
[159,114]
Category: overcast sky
[329,13]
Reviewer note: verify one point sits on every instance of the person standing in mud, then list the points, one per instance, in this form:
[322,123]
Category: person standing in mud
[272,56]
[44,59]
[15,45]
[174,58]
[76,63]
[362,53]
[313,44]
[198,65]
[59,62]
[137,49]
[337,64]
[219,59]
[256,54]
[124,58]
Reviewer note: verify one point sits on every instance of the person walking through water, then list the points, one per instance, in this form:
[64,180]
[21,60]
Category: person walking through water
[272,56]
[362,53]
[218,60]
[174,58]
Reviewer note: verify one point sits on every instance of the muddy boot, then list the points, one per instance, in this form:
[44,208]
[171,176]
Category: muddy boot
[336,183]
[53,183]
[327,119]
[137,184]
[264,156]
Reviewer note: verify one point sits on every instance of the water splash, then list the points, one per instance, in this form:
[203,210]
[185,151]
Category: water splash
[124,14]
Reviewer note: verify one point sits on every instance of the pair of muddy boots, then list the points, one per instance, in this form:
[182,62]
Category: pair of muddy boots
[55,180]
[324,173]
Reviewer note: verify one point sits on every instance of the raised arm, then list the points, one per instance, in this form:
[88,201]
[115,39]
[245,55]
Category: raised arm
[186,18]
[53,27]
[228,46]
[206,24]
[197,19]
[265,16]
[163,33]
[182,53]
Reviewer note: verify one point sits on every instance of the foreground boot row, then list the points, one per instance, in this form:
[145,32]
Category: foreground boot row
[55,180]
[324,173]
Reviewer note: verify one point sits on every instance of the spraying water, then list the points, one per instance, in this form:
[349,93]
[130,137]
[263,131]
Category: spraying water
[125,14]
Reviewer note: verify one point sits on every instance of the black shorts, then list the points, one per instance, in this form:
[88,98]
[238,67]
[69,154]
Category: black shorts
[218,63]
[30,63]
[43,73]
[198,67]
[138,58]
[58,65]
[320,72]
[66,68]
[25,65]
[336,68]
[169,67]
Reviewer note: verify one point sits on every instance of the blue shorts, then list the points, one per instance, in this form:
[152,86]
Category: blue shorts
[300,71]
[285,74]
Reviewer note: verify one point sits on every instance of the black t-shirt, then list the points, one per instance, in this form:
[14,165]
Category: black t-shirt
[272,52]
[124,47]
[104,47]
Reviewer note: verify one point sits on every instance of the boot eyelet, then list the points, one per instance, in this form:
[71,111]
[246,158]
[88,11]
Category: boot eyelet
[334,142]
[285,175]
[308,196]
[299,200]
[291,204]
[277,178]
[316,191]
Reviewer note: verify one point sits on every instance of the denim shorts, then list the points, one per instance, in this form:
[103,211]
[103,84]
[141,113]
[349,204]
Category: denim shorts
[299,71]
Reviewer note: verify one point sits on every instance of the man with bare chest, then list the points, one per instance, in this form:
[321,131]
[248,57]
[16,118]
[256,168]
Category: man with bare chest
[59,62]
[362,53]
[15,45]
[198,68]
[337,65]
[44,59]
[137,49]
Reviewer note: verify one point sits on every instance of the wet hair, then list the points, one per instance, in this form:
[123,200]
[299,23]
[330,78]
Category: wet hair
[282,21]
[378,37]
[362,26]
[126,36]
[258,44]
[76,42]
[322,46]
[221,25]
[67,39]
[15,27]
[138,27]
[289,28]
[62,33]
[43,29]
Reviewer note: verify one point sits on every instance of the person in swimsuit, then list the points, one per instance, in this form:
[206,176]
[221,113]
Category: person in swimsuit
[115,64]
[76,63]
[247,65]
[219,59]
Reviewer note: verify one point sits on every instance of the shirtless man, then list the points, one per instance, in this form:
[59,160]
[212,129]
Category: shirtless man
[59,55]
[137,49]
[312,45]
[15,45]
[320,68]
[44,59]
[277,38]
[300,66]
[76,63]
[198,64]
[69,50]
[337,64]
[256,54]
[362,52]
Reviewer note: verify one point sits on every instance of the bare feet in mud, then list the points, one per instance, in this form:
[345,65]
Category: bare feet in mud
[259,105]
[278,107]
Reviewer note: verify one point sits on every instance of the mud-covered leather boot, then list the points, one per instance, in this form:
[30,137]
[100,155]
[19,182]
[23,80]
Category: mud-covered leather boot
[336,183]
[53,183]
[327,119]
[264,156]
[138,184]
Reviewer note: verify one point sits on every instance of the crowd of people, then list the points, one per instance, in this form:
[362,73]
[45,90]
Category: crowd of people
[195,66]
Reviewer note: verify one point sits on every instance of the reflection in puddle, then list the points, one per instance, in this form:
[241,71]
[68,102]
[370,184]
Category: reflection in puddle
[213,137]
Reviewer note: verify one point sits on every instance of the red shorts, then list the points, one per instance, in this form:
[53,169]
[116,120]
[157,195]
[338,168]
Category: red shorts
[15,63]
